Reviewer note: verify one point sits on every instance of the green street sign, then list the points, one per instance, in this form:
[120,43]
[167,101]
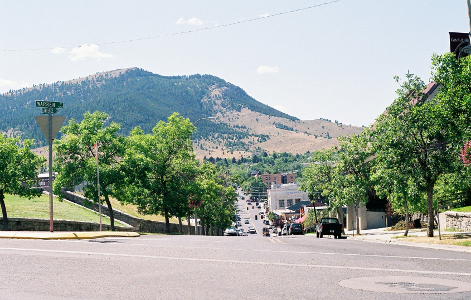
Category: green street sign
[40,103]
[49,110]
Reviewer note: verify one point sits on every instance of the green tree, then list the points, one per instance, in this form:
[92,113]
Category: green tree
[218,198]
[352,181]
[162,167]
[75,159]
[421,131]
[19,168]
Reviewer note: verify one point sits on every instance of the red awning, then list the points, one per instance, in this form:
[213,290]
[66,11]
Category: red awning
[300,220]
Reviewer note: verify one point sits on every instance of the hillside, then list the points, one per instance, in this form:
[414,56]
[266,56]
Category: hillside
[134,97]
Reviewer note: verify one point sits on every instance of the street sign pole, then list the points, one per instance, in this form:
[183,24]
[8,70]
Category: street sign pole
[51,214]
[50,130]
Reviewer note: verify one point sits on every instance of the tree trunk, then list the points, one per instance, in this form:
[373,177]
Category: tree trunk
[357,218]
[4,211]
[110,209]
[180,225]
[167,222]
[189,224]
[407,215]
[430,208]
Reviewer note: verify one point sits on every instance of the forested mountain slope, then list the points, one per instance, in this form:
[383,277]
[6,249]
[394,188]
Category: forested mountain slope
[134,97]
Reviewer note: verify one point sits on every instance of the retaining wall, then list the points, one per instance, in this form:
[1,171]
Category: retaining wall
[27,224]
[458,220]
[140,225]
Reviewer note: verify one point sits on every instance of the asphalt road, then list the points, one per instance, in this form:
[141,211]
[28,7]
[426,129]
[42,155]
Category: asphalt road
[253,267]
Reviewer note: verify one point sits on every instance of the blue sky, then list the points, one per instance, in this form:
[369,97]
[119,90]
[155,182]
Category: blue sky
[310,59]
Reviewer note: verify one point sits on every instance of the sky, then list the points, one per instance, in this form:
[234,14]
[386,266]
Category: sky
[331,59]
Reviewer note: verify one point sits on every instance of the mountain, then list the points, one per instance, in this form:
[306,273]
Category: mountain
[134,97]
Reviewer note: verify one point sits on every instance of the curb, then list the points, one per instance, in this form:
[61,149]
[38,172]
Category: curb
[64,235]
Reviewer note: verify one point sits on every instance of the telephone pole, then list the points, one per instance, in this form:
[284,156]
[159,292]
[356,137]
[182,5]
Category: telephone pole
[469,14]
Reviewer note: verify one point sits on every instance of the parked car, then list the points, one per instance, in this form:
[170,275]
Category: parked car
[246,221]
[231,231]
[295,228]
[266,231]
[284,230]
[241,232]
[329,226]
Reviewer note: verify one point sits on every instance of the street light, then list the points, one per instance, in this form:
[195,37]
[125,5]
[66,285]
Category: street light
[196,213]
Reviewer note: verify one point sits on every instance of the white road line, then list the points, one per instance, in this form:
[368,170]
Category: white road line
[208,260]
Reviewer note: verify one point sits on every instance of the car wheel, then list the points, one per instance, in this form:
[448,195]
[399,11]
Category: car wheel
[335,236]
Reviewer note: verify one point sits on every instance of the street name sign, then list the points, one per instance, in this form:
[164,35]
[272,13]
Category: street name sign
[40,103]
[49,110]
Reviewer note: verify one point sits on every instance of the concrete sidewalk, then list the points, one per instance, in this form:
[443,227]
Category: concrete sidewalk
[64,235]
[382,235]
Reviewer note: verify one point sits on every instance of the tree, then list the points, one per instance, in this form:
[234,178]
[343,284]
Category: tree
[19,168]
[318,176]
[422,132]
[75,159]
[217,197]
[162,167]
[352,179]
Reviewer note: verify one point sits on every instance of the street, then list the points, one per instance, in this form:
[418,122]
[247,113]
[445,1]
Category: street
[225,267]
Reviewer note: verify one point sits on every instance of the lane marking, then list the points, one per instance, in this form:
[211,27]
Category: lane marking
[208,260]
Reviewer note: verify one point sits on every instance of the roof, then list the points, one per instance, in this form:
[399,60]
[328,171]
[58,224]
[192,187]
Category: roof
[298,205]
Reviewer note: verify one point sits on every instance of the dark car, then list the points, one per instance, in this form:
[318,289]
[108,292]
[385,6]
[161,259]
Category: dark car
[329,226]
[295,228]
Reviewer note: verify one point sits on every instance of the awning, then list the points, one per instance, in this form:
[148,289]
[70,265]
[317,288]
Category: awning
[300,220]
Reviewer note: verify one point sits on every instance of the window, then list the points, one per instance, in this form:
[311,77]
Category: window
[296,201]
[281,203]
[290,202]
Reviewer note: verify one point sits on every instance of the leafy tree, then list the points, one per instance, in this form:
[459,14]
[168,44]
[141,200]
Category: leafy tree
[19,168]
[75,159]
[217,199]
[421,133]
[352,181]
[162,168]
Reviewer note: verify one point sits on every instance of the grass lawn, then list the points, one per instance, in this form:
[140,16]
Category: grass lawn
[462,209]
[38,208]
[132,210]
[447,239]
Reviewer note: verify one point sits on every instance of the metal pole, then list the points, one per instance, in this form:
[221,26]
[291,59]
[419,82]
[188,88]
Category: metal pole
[469,14]
[98,183]
[51,214]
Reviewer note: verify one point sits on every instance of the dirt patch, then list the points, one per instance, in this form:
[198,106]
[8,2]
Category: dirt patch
[447,239]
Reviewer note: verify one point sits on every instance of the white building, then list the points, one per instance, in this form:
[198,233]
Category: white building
[282,196]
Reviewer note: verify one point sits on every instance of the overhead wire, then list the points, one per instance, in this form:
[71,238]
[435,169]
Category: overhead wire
[183,32]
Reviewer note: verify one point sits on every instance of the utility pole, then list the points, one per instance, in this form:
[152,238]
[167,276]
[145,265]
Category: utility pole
[469,14]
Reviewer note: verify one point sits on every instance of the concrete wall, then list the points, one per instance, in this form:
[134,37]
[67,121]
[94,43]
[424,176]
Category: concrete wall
[375,219]
[141,225]
[458,220]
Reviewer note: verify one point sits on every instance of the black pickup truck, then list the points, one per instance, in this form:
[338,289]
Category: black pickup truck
[329,226]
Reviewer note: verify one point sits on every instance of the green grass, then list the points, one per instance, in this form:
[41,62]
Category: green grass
[465,243]
[38,208]
[462,209]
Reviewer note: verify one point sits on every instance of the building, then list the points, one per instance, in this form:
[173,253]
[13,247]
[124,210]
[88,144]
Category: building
[282,196]
[274,179]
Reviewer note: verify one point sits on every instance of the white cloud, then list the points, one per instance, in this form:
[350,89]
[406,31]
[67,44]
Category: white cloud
[192,21]
[88,51]
[58,50]
[267,69]
[6,85]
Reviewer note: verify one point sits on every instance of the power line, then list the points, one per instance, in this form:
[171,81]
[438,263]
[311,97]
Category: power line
[183,32]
